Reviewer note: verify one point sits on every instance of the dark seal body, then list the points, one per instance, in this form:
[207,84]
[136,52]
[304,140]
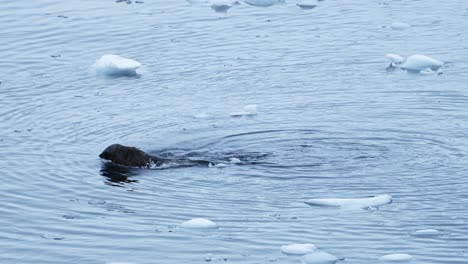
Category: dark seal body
[134,157]
[130,156]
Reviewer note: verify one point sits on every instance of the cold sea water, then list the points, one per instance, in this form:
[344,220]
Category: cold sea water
[331,122]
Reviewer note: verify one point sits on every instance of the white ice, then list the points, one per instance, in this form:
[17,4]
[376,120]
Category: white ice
[426,232]
[235,161]
[202,116]
[264,3]
[249,110]
[198,223]
[352,202]
[396,257]
[319,258]
[416,62]
[298,249]
[307,4]
[399,25]
[112,65]
[421,62]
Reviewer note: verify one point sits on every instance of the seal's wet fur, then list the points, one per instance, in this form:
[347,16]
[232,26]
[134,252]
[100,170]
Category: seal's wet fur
[130,156]
[133,157]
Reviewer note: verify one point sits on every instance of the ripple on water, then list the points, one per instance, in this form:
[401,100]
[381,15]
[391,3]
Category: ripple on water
[332,123]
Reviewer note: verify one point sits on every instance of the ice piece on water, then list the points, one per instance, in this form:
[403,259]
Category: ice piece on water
[234,160]
[198,223]
[352,203]
[221,6]
[208,258]
[399,25]
[426,232]
[115,65]
[202,116]
[396,257]
[421,62]
[307,4]
[298,249]
[248,110]
[397,59]
[320,258]
[264,3]
[417,63]
[196,2]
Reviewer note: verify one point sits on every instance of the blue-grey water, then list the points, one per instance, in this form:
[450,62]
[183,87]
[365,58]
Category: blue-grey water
[331,123]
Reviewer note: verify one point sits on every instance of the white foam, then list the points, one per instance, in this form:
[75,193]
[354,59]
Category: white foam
[112,65]
[396,257]
[352,202]
[298,249]
[426,232]
[264,3]
[249,110]
[319,258]
[198,223]
[399,25]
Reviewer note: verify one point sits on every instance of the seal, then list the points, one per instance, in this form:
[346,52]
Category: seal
[134,157]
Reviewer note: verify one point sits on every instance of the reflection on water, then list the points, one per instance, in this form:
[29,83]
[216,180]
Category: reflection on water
[331,122]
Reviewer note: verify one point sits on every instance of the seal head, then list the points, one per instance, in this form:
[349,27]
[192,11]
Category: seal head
[127,156]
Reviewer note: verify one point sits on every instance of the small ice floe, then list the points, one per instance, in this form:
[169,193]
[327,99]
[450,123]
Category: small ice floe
[352,203]
[307,4]
[319,258]
[221,6]
[114,65]
[198,223]
[414,63]
[298,249]
[202,116]
[396,257]
[399,26]
[234,160]
[249,110]
[426,232]
[264,3]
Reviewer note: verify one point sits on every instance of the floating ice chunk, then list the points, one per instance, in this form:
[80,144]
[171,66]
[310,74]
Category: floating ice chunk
[307,4]
[235,161]
[264,3]
[396,257]
[426,232]
[197,2]
[115,65]
[415,63]
[298,249]
[399,25]
[221,6]
[249,110]
[202,116]
[396,59]
[421,62]
[198,223]
[320,258]
[352,203]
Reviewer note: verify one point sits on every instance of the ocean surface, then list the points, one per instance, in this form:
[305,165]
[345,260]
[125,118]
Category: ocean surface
[331,122]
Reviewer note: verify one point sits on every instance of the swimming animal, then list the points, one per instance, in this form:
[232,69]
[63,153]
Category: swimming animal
[134,157]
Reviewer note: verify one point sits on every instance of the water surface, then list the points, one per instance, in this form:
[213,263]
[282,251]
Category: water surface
[331,122]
